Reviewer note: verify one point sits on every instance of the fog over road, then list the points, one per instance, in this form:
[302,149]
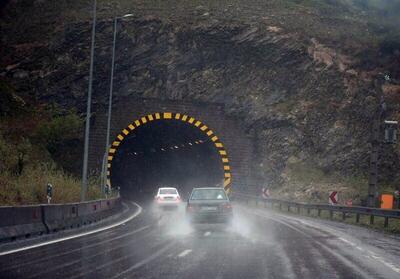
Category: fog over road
[259,244]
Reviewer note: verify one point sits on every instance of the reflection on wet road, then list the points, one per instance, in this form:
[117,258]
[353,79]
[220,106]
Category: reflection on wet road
[259,244]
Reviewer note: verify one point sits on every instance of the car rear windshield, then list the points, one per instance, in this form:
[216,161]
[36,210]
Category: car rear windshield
[168,191]
[208,194]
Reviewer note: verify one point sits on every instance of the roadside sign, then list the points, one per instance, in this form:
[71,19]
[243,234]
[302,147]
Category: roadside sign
[265,193]
[49,192]
[387,201]
[333,197]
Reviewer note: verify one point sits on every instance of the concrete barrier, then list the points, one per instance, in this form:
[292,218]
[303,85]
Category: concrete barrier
[61,216]
[24,221]
[21,221]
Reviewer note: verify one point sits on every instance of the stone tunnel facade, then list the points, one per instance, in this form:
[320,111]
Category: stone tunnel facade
[230,131]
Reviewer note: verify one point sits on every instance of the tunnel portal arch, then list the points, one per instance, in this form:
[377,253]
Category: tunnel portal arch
[173,117]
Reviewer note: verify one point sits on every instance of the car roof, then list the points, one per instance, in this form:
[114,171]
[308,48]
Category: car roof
[167,188]
[208,188]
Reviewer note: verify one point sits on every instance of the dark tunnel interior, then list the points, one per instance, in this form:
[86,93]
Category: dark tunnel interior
[165,153]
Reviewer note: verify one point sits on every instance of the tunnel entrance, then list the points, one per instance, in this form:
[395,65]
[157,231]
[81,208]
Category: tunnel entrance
[167,153]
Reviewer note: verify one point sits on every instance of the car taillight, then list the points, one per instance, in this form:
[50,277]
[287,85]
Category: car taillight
[178,198]
[227,207]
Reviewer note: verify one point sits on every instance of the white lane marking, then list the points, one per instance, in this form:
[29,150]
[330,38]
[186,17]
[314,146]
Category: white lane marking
[351,244]
[369,254]
[388,264]
[322,245]
[207,233]
[347,241]
[74,236]
[36,260]
[147,260]
[185,253]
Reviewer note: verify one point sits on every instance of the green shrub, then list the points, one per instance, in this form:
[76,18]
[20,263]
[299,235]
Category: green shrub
[30,186]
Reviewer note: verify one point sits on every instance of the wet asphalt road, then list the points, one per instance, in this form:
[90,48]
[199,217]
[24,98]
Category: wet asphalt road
[260,244]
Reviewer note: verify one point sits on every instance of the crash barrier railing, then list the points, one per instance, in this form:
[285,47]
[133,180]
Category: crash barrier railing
[319,208]
[25,221]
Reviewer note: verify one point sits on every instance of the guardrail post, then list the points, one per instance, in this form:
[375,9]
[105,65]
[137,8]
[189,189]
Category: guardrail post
[257,202]
[343,216]
[280,206]
[386,222]
[308,211]
[331,214]
[288,208]
[371,219]
[298,209]
[358,218]
[319,212]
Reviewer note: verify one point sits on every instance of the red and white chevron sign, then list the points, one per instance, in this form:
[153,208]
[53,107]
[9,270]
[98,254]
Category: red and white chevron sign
[265,193]
[333,197]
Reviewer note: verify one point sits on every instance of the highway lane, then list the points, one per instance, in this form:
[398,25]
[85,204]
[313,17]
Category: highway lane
[259,244]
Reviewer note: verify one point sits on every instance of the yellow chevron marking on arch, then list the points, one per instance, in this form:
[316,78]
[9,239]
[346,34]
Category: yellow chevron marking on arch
[167,115]
[125,131]
[116,143]
[177,116]
[227,182]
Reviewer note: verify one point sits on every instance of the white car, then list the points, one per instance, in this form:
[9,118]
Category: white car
[167,197]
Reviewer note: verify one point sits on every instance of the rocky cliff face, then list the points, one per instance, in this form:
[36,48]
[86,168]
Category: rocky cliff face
[305,101]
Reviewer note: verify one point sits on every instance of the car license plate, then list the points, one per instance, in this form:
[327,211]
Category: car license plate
[209,208]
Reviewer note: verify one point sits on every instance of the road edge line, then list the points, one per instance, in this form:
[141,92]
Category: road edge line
[137,213]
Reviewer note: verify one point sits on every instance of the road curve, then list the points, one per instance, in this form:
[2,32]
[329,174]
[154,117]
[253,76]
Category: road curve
[259,244]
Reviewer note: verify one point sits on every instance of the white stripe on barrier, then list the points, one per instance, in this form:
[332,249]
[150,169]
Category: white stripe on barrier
[76,235]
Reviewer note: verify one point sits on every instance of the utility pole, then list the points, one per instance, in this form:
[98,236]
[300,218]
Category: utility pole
[88,110]
[382,132]
[110,97]
[376,143]
[109,109]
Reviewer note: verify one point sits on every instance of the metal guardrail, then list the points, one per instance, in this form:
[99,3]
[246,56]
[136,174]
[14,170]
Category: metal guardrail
[357,210]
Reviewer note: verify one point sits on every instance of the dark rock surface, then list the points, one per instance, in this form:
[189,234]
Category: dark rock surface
[298,97]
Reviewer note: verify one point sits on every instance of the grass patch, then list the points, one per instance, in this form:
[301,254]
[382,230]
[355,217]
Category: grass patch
[30,186]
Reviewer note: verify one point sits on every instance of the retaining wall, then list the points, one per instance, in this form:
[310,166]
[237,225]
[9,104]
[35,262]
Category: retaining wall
[25,221]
